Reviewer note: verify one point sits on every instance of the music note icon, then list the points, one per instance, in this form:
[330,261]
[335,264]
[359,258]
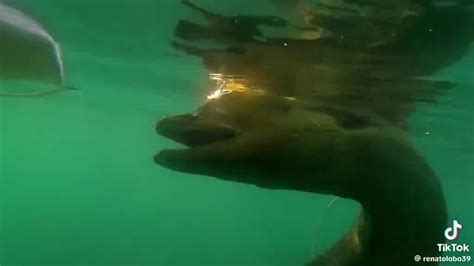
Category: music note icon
[451,233]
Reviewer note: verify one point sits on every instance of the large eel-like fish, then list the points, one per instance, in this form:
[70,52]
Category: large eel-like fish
[325,116]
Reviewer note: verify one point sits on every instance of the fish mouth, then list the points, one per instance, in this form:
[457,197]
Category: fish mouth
[204,141]
[186,129]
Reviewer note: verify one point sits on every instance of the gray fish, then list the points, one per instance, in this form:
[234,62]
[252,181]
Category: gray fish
[27,50]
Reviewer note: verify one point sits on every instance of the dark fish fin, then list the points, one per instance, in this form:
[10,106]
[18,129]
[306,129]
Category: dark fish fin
[189,49]
[209,16]
[187,30]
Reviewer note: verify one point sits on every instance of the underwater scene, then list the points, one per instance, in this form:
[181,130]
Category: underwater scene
[236,133]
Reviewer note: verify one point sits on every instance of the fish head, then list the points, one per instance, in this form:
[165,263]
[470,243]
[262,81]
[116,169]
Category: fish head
[262,140]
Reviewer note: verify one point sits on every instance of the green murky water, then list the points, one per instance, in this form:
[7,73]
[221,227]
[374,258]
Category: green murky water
[78,185]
